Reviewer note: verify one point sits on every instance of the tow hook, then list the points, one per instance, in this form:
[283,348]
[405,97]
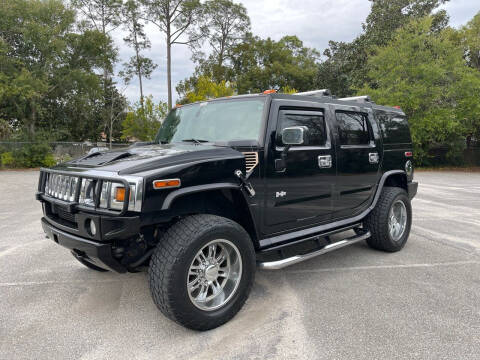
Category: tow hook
[247,186]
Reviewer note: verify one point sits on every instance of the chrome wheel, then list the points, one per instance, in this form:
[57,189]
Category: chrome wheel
[397,220]
[214,275]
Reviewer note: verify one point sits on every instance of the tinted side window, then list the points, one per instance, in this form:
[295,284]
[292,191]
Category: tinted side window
[314,122]
[394,127]
[353,128]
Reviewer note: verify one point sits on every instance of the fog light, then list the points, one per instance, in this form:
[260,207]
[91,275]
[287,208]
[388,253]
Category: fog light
[92,227]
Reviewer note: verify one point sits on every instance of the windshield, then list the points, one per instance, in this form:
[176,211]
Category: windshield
[216,121]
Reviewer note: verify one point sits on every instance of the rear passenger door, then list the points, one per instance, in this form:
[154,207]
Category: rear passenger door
[358,159]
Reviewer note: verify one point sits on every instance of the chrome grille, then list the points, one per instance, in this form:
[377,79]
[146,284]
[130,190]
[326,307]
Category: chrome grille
[251,160]
[61,186]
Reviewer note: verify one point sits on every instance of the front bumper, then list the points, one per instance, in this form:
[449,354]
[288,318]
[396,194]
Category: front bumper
[412,189]
[97,253]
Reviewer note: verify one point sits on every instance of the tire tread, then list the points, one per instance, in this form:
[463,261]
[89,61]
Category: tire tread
[376,221]
[170,249]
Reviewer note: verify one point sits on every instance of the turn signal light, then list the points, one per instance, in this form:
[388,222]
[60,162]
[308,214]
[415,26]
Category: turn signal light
[170,183]
[120,194]
[272,91]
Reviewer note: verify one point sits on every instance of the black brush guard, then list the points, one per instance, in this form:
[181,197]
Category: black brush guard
[75,206]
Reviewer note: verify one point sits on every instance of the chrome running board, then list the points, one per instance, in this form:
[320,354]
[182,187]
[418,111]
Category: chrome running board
[280,264]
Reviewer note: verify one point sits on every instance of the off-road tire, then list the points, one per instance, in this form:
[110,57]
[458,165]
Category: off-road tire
[89,264]
[172,258]
[377,221]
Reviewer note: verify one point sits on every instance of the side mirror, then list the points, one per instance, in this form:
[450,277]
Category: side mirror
[294,135]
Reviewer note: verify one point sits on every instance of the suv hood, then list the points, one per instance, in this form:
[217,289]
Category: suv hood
[144,158]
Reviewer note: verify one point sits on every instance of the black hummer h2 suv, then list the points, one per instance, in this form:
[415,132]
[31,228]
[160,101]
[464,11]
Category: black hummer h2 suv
[232,184]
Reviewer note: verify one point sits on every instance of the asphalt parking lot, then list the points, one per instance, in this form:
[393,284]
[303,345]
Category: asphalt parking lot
[356,303]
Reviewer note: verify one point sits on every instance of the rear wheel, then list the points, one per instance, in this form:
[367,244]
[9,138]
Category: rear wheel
[202,271]
[390,221]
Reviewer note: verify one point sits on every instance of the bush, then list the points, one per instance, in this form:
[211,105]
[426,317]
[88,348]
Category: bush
[29,156]
[32,155]
[6,159]
[49,160]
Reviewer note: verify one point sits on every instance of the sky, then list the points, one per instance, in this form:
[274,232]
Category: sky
[315,22]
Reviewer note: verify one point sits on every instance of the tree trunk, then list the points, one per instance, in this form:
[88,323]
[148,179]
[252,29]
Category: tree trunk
[105,71]
[169,67]
[139,71]
[111,133]
[33,120]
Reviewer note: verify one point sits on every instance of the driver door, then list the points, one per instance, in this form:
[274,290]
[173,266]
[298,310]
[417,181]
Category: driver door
[299,193]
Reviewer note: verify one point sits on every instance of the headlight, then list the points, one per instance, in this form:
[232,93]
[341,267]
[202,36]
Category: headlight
[117,197]
[112,195]
[86,192]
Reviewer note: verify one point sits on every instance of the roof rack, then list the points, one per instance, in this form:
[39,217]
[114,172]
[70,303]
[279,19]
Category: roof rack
[360,99]
[316,93]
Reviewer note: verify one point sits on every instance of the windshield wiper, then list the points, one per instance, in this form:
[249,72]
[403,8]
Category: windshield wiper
[196,141]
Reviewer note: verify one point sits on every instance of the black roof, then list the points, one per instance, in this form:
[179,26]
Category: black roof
[335,101]
[319,99]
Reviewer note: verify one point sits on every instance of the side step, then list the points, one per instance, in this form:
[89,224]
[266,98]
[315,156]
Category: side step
[280,264]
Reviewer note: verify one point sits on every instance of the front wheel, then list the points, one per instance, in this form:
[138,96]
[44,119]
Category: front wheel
[202,271]
[390,221]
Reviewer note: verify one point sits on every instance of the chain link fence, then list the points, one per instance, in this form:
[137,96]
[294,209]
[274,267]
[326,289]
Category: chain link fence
[62,149]
[26,154]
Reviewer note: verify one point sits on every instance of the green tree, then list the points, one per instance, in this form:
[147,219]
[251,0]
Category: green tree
[339,70]
[103,16]
[143,121]
[423,71]
[204,88]
[227,24]
[471,41]
[257,64]
[262,64]
[138,65]
[386,16]
[115,110]
[180,21]
[345,65]
[44,64]
[4,129]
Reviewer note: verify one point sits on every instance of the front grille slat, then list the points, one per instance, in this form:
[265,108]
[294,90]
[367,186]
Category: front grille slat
[62,187]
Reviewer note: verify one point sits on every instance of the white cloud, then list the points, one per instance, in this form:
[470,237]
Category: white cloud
[315,22]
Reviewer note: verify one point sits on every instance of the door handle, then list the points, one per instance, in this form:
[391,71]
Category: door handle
[325,161]
[373,158]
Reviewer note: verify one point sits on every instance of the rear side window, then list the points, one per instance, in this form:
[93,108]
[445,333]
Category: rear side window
[313,121]
[395,129]
[353,128]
